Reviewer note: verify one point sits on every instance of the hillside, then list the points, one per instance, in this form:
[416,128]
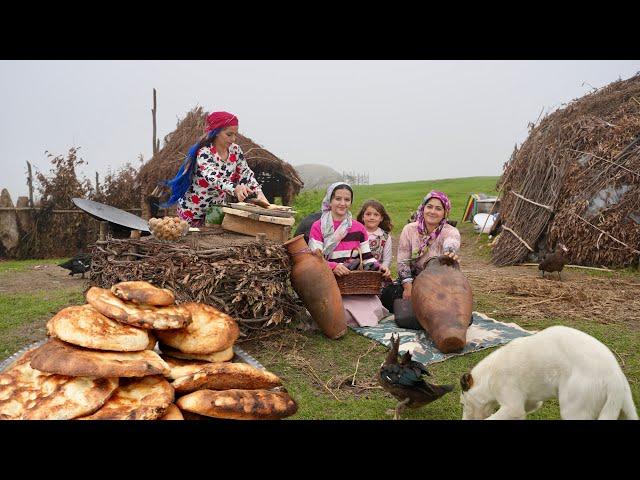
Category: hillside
[317,176]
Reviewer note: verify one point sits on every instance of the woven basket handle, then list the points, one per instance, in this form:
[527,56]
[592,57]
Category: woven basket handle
[360,267]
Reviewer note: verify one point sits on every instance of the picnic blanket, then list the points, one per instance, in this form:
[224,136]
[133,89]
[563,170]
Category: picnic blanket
[483,333]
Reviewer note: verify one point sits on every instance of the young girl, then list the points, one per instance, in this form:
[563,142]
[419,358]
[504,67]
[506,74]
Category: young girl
[378,224]
[336,234]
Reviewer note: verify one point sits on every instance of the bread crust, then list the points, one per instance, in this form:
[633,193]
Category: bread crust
[141,316]
[145,398]
[221,356]
[239,404]
[26,393]
[63,358]
[210,331]
[84,326]
[226,376]
[142,292]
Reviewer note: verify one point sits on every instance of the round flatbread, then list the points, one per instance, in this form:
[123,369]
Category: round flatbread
[239,404]
[222,356]
[62,358]
[210,331]
[226,376]
[26,393]
[83,325]
[172,413]
[143,293]
[142,316]
[145,398]
[180,368]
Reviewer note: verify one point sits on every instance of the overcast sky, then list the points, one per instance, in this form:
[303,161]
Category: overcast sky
[396,120]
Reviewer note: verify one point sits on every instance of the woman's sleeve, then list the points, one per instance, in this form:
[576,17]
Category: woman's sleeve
[404,256]
[247,176]
[387,253]
[213,172]
[316,241]
[451,241]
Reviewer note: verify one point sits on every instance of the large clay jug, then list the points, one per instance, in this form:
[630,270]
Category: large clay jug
[442,301]
[315,284]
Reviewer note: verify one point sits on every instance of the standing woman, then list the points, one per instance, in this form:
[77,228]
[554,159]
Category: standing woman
[214,167]
[336,234]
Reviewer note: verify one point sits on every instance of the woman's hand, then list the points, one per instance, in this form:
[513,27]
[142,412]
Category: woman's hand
[406,294]
[341,270]
[242,192]
[452,255]
[386,273]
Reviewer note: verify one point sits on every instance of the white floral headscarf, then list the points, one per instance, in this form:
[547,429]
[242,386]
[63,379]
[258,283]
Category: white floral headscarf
[331,236]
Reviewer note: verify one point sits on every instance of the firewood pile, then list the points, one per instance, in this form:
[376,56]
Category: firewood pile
[576,180]
[244,277]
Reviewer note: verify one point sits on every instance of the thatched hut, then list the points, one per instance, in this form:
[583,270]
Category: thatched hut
[277,177]
[576,180]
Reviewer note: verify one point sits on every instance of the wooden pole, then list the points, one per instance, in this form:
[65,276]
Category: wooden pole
[153,114]
[531,201]
[30,183]
[104,228]
[504,227]
[97,184]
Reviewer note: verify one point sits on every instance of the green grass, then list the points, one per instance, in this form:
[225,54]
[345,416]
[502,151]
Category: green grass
[23,316]
[332,360]
[21,265]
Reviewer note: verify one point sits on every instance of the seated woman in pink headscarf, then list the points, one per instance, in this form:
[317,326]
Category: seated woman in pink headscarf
[214,168]
[429,236]
[337,234]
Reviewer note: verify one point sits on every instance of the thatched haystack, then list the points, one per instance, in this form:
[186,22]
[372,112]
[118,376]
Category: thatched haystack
[246,278]
[581,167]
[278,178]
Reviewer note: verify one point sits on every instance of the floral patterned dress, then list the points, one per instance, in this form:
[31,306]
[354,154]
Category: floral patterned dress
[213,179]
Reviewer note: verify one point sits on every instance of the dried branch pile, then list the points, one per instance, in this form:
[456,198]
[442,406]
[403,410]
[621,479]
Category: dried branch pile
[583,163]
[246,279]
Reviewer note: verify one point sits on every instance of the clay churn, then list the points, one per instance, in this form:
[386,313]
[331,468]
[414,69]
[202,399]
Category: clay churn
[316,285]
[442,301]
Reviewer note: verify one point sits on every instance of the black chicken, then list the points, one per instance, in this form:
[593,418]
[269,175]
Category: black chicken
[81,263]
[554,262]
[402,378]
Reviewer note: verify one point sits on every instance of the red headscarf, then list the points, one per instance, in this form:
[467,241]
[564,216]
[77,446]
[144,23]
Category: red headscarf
[220,120]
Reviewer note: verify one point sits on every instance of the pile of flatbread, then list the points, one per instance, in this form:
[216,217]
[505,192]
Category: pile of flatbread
[131,353]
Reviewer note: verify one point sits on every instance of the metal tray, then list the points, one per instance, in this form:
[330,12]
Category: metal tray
[240,356]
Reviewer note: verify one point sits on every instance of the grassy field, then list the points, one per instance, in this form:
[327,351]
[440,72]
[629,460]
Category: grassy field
[336,379]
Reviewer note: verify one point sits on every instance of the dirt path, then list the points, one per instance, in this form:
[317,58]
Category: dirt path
[40,278]
[519,292]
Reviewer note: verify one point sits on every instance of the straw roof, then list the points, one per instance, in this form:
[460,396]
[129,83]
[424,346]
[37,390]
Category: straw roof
[165,163]
[576,180]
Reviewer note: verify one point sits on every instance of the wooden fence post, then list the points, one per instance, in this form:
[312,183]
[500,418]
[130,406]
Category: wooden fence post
[153,114]
[30,183]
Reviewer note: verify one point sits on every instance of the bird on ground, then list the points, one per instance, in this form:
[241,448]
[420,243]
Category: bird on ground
[402,378]
[81,263]
[555,261]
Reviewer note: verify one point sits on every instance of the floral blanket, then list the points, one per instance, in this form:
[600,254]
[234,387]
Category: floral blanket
[484,332]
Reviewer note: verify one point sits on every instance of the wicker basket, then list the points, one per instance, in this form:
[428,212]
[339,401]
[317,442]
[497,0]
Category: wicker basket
[360,282]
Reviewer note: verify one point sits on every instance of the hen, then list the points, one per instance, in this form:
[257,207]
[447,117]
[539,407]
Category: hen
[81,263]
[402,378]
